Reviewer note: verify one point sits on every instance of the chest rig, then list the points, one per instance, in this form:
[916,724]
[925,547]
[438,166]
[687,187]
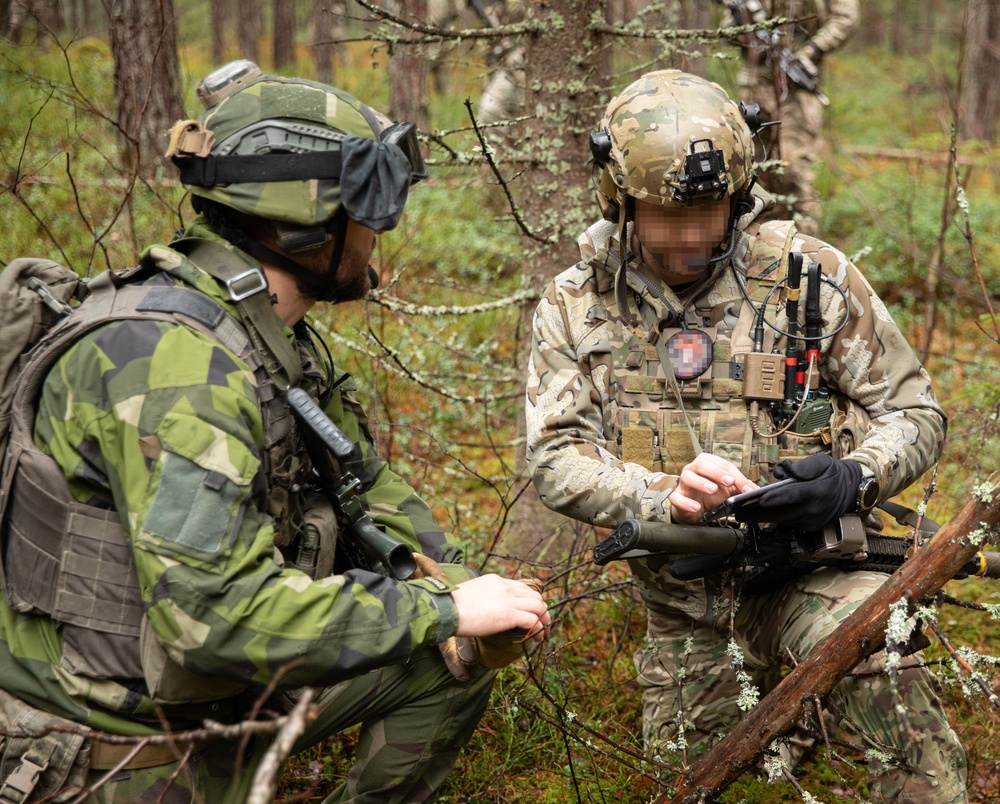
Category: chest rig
[72,561]
[659,417]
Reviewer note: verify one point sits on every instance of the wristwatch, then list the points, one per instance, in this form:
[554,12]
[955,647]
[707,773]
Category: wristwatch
[868,491]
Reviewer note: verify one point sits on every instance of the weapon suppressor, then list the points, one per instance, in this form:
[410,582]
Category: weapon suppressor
[635,539]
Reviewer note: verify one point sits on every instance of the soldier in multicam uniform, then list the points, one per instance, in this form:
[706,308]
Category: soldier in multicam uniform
[178,493]
[818,29]
[625,420]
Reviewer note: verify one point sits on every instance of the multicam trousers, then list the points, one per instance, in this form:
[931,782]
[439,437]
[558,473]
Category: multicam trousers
[415,719]
[686,674]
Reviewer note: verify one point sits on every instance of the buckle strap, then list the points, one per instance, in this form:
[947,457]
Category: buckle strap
[22,782]
[104,756]
[263,325]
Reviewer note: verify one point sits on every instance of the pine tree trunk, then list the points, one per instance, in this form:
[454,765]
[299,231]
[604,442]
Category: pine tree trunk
[557,206]
[980,91]
[324,25]
[248,30]
[284,33]
[408,73]
[147,82]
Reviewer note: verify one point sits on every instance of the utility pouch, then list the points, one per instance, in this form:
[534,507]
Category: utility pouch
[316,545]
[171,683]
[848,426]
[51,767]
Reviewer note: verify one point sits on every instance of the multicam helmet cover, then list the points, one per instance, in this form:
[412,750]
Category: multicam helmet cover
[352,146]
[666,129]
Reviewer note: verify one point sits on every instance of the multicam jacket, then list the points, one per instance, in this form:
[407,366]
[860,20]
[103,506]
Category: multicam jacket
[162,423]
[607,436]
[826,24]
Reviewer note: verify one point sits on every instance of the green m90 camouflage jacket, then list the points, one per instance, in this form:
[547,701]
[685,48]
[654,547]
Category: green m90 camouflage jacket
[589,364]
[162,423]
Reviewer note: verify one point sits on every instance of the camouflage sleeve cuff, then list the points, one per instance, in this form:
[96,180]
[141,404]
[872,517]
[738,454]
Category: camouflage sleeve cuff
[655,500]
[440,591]
[459,573]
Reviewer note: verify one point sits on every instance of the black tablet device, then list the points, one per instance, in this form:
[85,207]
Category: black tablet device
[738,503]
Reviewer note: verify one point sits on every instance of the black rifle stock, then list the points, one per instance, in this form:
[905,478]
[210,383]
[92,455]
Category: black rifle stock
[769,554]
[750,12]
[324,439]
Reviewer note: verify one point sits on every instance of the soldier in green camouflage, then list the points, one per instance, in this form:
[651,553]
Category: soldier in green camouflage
[166,478]
[654,393]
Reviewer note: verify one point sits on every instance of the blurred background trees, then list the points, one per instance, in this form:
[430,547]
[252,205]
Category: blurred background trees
[909,187]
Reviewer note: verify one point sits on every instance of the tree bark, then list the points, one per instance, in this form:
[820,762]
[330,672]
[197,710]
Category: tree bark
[147,82]
[858,636]
[324,27]
[563,96]
[248,30]
[284,33]
[219,11]
[408,73]
[980,93]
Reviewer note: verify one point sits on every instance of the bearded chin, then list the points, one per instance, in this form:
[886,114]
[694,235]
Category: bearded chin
[347,282]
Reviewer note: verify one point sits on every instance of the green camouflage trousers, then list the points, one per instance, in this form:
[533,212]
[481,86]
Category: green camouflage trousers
[686,674]
[415,719]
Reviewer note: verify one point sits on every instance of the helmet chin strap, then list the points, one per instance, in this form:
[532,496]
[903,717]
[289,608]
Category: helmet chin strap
[324,286]
[742,203]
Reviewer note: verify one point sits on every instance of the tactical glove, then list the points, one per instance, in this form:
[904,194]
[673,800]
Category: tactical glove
[805,58]
[826,489]
[461,653]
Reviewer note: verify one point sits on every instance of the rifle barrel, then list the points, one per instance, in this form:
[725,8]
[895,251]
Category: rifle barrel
[644,538]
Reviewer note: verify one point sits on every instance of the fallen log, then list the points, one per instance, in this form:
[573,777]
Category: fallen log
[921,576]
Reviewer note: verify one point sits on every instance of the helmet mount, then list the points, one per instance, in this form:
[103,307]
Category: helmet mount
[704,176]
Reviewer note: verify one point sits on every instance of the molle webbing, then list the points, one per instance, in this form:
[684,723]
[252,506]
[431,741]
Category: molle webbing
[61,557]
[652,426]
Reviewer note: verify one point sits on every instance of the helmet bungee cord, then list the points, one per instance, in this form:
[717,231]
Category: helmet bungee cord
[303,156]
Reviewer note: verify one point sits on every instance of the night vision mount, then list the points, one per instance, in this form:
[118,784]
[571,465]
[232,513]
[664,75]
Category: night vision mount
[704,175]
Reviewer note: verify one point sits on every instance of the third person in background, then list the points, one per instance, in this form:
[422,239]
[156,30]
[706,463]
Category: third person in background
[782,71]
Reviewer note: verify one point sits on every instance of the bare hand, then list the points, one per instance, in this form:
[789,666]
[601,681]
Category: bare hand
[492,604]
[705,483]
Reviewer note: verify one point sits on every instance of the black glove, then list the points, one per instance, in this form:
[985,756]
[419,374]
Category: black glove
[826,489]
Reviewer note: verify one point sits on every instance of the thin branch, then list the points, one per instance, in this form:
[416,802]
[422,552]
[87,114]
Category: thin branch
[407,308]
[488,155]
[432,33]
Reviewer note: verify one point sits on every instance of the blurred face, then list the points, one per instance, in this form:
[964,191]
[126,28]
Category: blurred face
[677,242]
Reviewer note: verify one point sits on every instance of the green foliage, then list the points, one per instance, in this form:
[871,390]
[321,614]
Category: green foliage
[443,390]
[65,194]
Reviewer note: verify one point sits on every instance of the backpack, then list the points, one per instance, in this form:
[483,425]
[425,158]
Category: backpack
[35,295]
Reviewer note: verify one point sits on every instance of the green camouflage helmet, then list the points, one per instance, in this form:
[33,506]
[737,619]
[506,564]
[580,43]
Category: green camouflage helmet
[674,139]
[294,150]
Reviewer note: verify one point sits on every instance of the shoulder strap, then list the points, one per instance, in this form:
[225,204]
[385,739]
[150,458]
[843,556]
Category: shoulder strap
[248,289]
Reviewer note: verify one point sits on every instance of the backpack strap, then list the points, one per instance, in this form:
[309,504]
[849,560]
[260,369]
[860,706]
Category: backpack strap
[248,289]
